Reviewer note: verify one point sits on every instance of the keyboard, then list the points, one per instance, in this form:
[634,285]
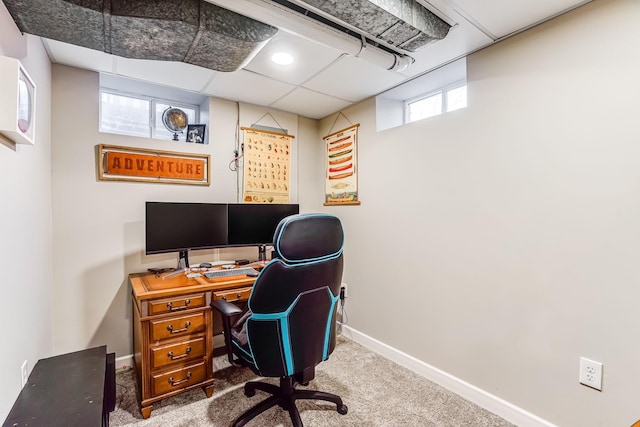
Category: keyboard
[242,271]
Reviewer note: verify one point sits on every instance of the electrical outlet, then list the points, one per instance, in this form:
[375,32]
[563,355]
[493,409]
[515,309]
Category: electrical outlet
[25,372]
[591,373]
[343,291]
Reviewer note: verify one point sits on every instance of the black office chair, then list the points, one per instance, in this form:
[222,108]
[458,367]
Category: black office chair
[290,325]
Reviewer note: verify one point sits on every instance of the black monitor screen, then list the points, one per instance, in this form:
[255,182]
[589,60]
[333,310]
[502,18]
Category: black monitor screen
[254,224]
[173,227]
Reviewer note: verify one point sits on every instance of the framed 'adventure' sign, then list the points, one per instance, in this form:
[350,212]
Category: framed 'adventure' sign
[144,165]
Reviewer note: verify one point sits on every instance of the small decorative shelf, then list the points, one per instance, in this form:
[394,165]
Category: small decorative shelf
[17,103]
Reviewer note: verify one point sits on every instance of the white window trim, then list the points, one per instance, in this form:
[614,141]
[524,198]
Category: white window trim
[442,90]
[152,110]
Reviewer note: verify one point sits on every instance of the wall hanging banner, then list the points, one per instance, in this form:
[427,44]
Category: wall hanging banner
[341,150]
[267,166]
[142,165]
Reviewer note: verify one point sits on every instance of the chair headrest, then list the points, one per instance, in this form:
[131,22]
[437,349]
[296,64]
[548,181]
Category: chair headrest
[308,237]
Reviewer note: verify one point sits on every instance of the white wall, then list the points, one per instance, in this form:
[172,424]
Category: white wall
[98,226]
[25,226]
[521,214]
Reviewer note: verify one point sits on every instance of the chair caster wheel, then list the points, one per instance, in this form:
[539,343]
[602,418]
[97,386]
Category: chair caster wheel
[342,409]
[249,392]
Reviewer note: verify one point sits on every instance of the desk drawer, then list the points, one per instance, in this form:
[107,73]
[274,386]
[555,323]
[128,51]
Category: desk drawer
[178,352]
[171,305]
[178,379]
[177,326]
[240,294]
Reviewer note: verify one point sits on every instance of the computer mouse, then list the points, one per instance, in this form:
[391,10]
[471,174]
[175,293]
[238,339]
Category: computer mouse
[205,265]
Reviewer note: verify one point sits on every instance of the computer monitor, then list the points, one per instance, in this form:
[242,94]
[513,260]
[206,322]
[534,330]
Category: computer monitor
[255,224]
[181,227]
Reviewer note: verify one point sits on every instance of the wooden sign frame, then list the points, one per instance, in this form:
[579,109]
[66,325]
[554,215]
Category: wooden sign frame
[117,163]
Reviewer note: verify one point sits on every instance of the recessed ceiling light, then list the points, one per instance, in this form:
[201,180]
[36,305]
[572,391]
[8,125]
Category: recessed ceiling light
[282,58]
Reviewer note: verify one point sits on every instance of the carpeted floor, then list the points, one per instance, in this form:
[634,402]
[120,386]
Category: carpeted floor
[377,391]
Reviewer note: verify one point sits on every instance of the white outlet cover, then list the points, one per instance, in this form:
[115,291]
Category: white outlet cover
[591,373]
[24,372]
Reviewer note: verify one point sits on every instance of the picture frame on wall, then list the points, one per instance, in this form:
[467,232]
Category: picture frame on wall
[18,103]
[341,167]
[195,133]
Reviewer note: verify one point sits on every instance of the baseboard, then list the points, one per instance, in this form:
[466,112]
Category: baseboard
[124,362]
[491,403]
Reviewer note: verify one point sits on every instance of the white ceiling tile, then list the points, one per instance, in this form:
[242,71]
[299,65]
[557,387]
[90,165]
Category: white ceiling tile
[353,79]
[310,104]
[247,87]
[505,17]
[176,74]
[309,58]
[79,57]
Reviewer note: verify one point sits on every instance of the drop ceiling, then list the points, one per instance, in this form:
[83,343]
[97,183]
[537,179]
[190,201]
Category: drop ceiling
[331,70]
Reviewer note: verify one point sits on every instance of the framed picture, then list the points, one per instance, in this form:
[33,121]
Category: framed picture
[195,133]
[341,164]
[17,122]
[117,163]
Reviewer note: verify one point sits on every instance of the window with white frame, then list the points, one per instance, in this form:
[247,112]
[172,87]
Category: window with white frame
[431,94]
[138,115]
[441,101]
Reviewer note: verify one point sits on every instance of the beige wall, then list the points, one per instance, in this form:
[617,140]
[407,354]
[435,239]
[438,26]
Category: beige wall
[521,214]
[25,225]
[99,226]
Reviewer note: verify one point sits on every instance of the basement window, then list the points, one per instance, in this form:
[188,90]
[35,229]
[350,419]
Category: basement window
[435,103]
[437,92]
[133,115]
[134,108]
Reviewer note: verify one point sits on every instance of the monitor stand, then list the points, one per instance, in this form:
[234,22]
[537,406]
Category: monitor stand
[183,264]
[183,260]
[262,253]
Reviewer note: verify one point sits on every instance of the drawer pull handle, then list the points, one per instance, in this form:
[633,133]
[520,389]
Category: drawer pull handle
[184,307]
[172,357]
[238,296]
[177,331]
[175,383]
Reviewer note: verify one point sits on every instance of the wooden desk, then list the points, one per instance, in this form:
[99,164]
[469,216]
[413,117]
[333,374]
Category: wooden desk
[173,332]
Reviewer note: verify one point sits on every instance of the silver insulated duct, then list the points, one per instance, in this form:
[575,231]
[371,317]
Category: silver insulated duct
[402,24]
[383,32]
[192,31]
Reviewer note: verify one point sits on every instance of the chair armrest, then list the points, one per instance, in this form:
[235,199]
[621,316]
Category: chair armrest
[226,308]
[229,312]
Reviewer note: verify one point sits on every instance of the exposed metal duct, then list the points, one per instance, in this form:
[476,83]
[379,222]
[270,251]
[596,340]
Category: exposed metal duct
[402,24]
[192,31]
[321,30]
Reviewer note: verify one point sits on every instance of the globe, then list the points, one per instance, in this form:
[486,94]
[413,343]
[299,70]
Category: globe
[175,120]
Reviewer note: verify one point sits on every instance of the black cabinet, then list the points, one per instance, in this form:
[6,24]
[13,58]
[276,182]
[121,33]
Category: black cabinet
[74,389]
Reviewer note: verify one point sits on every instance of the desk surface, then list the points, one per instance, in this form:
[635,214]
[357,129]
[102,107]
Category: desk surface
[148,285]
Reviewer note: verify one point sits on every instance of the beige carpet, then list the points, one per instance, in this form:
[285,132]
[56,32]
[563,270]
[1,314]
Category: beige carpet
[377,391]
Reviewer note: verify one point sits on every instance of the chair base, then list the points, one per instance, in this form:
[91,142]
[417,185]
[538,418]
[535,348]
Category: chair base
[285,397]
